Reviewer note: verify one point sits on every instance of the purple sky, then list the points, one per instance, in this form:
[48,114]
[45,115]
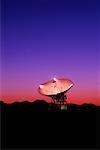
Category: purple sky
[46,38]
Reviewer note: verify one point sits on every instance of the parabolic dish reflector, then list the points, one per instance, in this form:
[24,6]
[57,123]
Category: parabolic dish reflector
[55,86]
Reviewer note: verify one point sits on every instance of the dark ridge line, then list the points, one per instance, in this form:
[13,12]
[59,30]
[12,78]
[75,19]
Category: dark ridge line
[23,102]
[39,100]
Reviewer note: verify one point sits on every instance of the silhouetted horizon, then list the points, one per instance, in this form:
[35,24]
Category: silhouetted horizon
[43,106]
[41,100]
[33,125]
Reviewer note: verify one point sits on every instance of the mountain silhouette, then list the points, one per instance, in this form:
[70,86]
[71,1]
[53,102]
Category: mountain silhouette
[33,125]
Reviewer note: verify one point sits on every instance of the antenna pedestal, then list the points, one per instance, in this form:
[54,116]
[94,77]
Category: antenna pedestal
[60,101]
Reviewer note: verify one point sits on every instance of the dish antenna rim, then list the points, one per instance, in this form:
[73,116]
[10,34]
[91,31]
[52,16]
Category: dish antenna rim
[54,80]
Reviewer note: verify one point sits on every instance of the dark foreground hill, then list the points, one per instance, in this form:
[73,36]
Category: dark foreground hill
[32,125]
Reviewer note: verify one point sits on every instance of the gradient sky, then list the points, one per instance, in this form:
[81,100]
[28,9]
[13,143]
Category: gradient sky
[42,39]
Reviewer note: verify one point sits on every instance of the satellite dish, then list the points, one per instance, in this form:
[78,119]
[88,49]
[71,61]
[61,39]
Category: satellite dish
[56,89]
